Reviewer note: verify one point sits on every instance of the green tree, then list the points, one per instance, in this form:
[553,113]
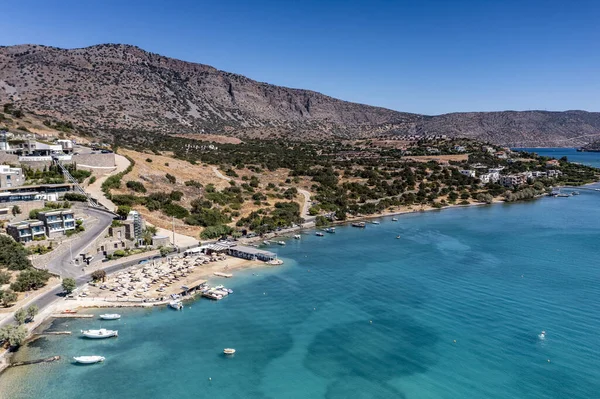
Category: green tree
[16,210]
[123,211]
[4,277]
[69,285]
[32,311]
[99,275]
[14,335]
[20,316]
[8,297]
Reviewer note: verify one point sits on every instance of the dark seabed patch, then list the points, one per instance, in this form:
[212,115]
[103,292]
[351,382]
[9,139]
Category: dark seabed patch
[377,351]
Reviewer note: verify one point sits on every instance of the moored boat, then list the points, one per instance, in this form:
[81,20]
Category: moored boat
[297,236]
[101,333]
[330,230]
[375,222]
[229,351]
[110,316]
[319,234]
[280,242]
[360,225]
[89,359]
[177,305]
[394,219]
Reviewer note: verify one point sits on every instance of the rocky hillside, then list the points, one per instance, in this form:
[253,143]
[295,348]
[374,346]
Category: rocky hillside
[106,88]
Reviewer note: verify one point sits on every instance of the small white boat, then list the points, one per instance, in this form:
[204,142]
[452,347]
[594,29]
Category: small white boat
[297,236]
[542,335]
[110,316]
[89,359]
[319,234]
[101,333]
[375,222]
[229,351]
[177,305]
[330,230]
[266,242]
[394,219]
[281,242]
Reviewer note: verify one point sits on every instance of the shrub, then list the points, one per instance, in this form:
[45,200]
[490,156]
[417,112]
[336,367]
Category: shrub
[136,186]
[77,197]
[172,179]
[216,231]
[148,160]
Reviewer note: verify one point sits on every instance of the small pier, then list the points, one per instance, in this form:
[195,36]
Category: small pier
[221,274]
[72,316]
[55,333]
[27,363]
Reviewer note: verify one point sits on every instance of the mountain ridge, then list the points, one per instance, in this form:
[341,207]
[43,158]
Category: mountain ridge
[111,87]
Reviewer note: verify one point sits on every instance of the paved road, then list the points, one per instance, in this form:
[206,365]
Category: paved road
[61,263]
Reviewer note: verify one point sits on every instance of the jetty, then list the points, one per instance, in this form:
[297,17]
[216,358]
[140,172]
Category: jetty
[221,274]
[27,363]
[55,333]
[72,316]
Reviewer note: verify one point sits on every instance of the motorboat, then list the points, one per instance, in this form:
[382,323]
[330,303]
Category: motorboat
[394,219]
[101,333]
[360,225]
[229,351]
[376,222]
[110,316]
[281,242]
[319,234]
[397,237]
[542,335]
[266,242]
[89,359]
[575,193]
[297,236]
[177,305]
[330,230]
[69,311]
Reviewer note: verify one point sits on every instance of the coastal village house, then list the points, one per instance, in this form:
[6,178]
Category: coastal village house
[57,222]
[27,230]
[11,177]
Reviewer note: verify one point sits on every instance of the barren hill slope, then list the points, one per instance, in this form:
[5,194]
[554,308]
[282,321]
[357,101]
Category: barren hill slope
[111,87]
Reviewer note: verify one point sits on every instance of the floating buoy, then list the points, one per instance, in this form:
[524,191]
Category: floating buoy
[210,379]
[371,321]
[454,341]
[264,293]
[548,360]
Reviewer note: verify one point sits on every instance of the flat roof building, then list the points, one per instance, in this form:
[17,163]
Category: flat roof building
[27,230]
[251,253]
[11,177]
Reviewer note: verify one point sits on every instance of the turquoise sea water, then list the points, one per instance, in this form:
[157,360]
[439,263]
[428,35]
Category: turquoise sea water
[587,158]
[361,314]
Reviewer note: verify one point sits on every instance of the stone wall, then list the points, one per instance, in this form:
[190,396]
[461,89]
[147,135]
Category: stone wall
[8,159]
[95,160]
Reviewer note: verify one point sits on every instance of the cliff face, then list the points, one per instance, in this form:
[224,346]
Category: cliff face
[107,87]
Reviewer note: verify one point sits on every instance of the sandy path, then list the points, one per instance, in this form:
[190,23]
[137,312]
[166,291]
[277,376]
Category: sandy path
[95,189]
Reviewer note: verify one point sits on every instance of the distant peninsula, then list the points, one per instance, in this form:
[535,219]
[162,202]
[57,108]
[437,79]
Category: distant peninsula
[591,147]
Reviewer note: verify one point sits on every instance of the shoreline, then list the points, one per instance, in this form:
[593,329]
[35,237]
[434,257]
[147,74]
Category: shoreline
[92,303]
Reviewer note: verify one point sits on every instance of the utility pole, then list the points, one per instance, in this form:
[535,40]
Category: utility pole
[173,230]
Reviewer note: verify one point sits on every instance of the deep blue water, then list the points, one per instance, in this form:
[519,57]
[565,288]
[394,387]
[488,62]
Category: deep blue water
[587,158]
[361,314]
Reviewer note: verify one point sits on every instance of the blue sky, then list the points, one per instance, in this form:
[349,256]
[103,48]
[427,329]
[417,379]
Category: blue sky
[423,56]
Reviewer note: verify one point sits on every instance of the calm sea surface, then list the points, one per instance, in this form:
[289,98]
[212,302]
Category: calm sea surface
[586,158]
[452,309]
